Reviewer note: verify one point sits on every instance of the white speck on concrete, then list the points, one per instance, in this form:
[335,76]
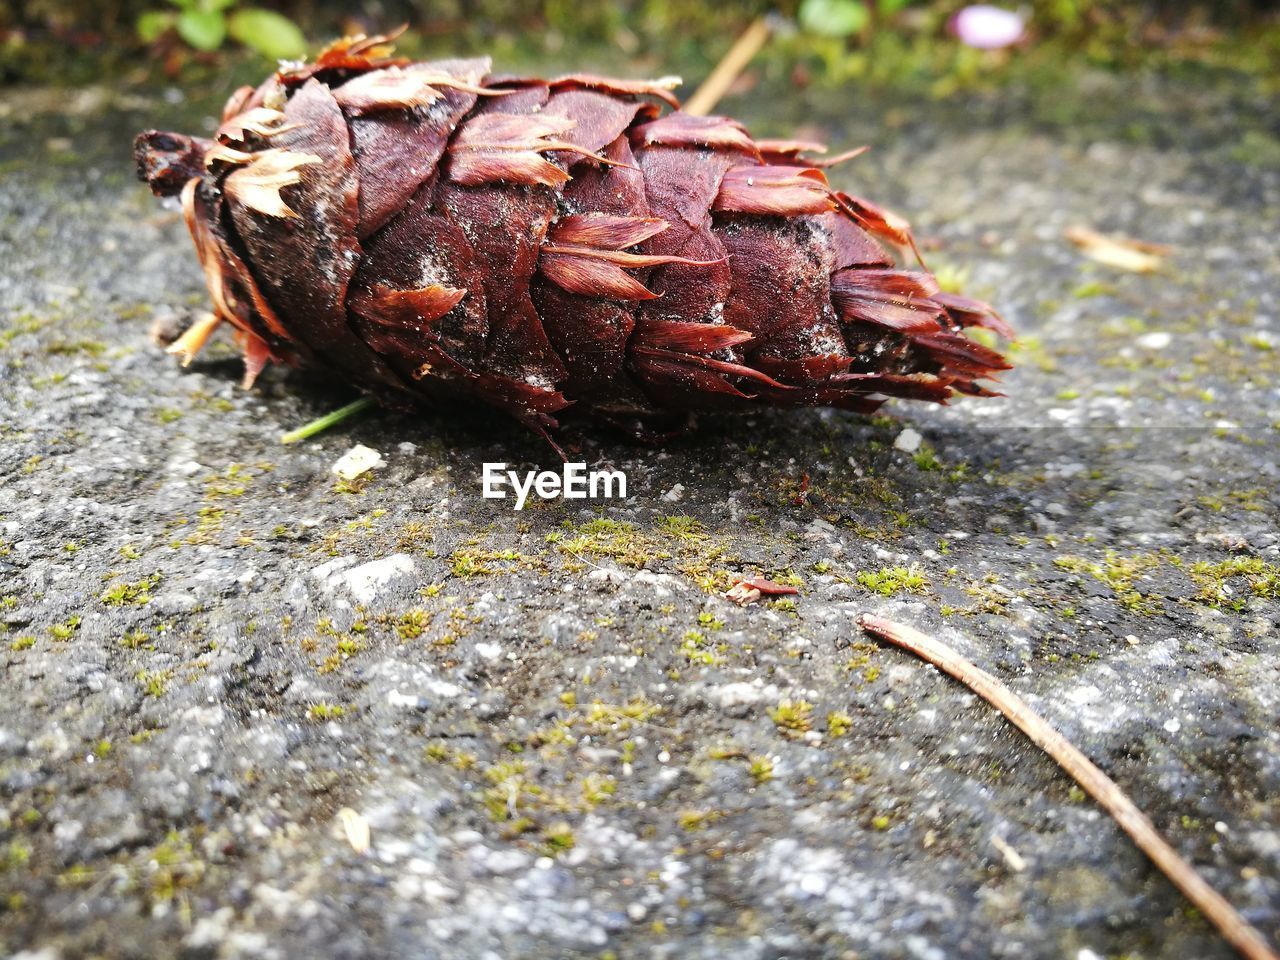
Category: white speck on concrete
[908,441]
[1155,341]
[368,580]
[359,459]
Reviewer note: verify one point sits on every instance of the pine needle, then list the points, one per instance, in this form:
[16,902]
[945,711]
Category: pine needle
[328,420]
[720,79]
[1237,931]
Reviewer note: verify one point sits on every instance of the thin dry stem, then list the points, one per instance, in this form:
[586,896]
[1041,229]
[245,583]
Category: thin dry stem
[1237,931]
[717,84]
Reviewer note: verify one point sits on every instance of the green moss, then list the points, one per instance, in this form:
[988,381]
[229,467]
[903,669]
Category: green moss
[64,631]
[787,578]
[412,623]
[510,790]
[601,716]
[1261,578]
[15,855]
[926,459]
[130,594]
[477,563]
[1258,148]
[988,596]
[414,535]
[760,769]
[1251,500]
[1119,573]
[615,539]
[695,820]
[208,402]
[133,639]
[353,487]
[892,580]
[324,710]
[22,643]
[1092,288]
[1259,342]
[232,482]
[698,649]
[154,683]
[680,539]
[169,869]
[93,348]
[21,325]
[838,723]
[682,527]
[558,838]
[951,277]
[209,521]
[792,717]
[598,788]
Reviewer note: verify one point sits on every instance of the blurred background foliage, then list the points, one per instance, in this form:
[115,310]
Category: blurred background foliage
[876,42]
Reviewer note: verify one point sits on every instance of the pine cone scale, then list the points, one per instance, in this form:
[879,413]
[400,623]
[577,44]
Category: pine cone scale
[397,152]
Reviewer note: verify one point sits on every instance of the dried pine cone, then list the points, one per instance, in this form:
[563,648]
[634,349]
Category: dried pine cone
[427,230]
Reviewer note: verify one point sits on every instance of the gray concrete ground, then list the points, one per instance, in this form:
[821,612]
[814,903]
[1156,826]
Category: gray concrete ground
[562,741]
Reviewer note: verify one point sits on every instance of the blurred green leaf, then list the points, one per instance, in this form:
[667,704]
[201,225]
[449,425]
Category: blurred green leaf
[202,29]
[834,18]
[215,5]
[153,23]
[271,34]
[889,7]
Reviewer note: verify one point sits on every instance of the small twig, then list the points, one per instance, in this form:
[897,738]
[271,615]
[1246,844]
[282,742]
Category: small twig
[328,420]
[1237,931]
[719,81]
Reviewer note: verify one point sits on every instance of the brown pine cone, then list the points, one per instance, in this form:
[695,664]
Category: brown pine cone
[427,230]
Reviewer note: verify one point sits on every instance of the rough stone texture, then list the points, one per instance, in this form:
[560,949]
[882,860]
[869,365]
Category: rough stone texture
[564,743]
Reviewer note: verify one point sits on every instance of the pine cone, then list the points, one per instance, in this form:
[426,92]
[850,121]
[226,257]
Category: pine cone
[427,230]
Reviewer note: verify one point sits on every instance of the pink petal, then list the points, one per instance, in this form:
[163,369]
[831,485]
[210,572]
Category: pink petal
[987,27]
